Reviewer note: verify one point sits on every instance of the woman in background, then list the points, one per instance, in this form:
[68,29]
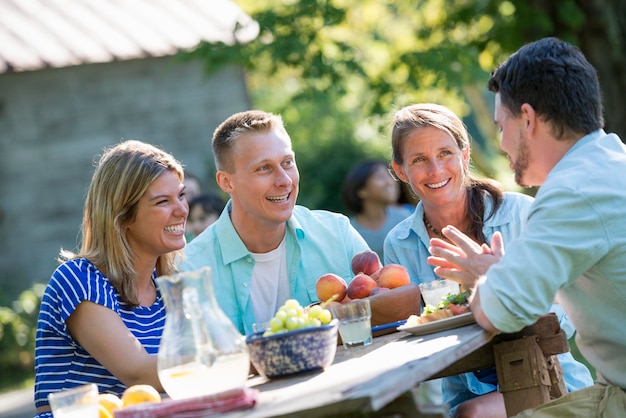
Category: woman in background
[203,211]
[372,195]
[101,315]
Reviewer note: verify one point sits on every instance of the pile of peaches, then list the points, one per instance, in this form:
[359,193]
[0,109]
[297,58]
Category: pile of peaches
[370,278]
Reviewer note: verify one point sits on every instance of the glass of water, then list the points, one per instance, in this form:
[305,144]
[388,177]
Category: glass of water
[355,322]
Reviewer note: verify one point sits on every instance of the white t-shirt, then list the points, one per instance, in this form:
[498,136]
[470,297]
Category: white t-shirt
[270,284]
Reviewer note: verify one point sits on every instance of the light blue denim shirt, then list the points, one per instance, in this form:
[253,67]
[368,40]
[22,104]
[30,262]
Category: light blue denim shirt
[317,242]
[407,244]
[574,248]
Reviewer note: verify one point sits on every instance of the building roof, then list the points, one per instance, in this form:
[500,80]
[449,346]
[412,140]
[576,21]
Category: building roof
[37,34]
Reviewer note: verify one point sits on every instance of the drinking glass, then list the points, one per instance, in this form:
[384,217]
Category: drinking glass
[78,402]
[355,326]
[435,291]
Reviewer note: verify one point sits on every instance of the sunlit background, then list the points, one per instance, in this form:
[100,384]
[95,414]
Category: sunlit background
[78,75]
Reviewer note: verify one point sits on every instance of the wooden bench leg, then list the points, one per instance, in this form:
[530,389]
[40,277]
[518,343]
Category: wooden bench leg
[523,374]
[558,387]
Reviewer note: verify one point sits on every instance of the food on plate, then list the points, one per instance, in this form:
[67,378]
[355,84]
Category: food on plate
[393,275]
[330,284]
[366,261]
[361,286]
[450,306]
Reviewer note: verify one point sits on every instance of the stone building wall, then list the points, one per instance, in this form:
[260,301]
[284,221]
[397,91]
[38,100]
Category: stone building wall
[54,122]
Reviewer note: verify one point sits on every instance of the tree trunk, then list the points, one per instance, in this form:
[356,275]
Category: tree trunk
[603,40]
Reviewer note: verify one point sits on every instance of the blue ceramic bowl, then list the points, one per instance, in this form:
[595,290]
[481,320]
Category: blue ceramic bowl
[293,352]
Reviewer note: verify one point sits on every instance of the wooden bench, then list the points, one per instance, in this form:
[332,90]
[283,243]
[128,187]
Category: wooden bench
[529,373]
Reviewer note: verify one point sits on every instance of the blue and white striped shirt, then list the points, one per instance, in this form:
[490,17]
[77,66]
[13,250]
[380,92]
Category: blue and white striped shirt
[60,362]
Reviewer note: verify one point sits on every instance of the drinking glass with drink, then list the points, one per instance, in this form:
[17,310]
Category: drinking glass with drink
[355,322]
[78,402]
[435,291]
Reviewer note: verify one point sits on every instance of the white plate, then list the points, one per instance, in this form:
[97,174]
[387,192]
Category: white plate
[440,325]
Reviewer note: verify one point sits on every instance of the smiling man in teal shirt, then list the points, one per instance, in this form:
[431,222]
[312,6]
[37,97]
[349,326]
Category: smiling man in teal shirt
[264,249]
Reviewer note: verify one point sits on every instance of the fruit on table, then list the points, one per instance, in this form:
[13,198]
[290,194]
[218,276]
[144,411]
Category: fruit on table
[393,275]
[366,261]
[361,286]
[291,316]
[330,284]
[137,394]
[109,402]
[103,412]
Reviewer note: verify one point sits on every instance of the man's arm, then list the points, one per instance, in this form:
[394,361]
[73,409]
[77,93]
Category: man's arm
[479,314]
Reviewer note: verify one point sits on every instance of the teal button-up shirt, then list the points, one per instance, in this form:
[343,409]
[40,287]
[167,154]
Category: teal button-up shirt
[317,242]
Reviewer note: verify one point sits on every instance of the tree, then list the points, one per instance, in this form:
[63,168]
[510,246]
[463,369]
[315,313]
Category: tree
[598,27]
[337,69]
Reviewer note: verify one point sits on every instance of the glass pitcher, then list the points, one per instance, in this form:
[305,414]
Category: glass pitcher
[201,351]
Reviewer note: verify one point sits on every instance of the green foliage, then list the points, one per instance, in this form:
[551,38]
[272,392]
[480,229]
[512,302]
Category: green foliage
[18,324]
[337,70]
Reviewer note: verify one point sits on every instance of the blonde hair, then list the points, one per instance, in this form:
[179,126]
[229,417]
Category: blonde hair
[122,176]
[236,126]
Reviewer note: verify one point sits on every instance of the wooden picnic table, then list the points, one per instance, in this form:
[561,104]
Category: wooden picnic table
[376,379]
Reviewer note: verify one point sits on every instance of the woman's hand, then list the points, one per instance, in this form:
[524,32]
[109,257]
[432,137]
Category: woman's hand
[465,260]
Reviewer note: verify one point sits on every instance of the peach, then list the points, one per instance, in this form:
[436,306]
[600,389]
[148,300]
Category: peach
[361,286]
[366,261]
[393,275]
[330,284]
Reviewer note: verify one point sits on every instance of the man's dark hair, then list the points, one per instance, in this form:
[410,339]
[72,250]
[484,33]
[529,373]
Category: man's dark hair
[555,78]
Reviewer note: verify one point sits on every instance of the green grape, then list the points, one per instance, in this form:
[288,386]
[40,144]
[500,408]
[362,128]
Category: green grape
[325,316]
[282,315]
[276,324]
[315,311]
[292,303]
[293,322]
[291,316]
[313,322]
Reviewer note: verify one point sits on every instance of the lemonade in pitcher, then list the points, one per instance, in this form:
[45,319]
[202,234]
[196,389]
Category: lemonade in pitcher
[194,379]
[201,352]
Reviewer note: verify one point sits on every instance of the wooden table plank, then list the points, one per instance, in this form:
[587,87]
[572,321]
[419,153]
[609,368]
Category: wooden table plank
[365,378]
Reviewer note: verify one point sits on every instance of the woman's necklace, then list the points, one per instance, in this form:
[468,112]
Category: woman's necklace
[433,229]
[436,231]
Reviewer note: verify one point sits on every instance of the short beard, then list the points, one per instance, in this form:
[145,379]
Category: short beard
[523,159]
